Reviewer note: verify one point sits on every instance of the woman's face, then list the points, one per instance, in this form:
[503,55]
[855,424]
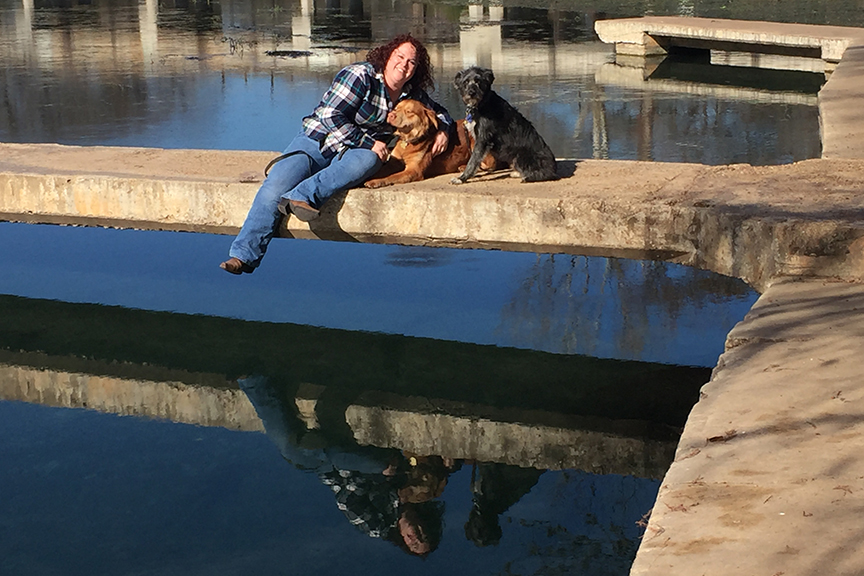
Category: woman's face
[411,534]
[400,66]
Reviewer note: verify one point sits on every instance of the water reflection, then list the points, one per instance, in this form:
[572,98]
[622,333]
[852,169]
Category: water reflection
[112,492]
[198,76]
[383,493]
[82,338]
[563,304]
[437,447]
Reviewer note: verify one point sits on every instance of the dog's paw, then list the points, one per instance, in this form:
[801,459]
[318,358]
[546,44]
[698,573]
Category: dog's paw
[457,180]
[376,184]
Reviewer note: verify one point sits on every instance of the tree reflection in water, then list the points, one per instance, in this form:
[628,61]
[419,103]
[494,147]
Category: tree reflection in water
[633,309]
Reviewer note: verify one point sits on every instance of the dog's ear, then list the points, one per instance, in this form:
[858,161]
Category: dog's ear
[488,76]
[433,119]
[457,80]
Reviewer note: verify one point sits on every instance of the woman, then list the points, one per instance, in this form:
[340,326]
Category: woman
[341,145]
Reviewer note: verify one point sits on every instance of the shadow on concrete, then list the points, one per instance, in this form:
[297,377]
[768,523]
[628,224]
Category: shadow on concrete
[566,168]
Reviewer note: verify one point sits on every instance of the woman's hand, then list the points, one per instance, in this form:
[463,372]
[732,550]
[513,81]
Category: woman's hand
[380,148]
[440,144]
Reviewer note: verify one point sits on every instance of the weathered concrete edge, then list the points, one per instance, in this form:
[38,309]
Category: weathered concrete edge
[767,477]
[720,238]
[715,237]
[841,115]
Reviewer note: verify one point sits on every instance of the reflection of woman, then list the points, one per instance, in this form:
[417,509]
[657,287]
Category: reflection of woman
[373,504]
[382,492]
[341,145]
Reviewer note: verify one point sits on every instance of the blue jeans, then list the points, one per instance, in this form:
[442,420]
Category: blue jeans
[307,176]
[284,429]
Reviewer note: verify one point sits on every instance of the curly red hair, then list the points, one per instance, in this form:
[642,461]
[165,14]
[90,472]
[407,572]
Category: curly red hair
[423,78]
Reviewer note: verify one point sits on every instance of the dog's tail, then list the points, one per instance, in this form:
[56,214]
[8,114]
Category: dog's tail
[546,173]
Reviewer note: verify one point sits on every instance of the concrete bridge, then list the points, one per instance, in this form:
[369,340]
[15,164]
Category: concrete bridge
[767,477]
[836,50]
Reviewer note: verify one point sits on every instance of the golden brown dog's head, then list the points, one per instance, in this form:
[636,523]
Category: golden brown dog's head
[412,121]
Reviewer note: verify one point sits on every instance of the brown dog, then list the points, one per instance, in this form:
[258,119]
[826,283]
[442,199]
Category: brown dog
[411,159]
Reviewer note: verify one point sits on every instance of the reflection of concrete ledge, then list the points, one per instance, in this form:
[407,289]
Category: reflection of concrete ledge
[523,438]
[634,78]
[201,405]
[527,438]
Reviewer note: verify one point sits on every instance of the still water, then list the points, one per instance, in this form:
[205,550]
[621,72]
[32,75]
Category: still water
[198,75]
[174,419]
[161,417]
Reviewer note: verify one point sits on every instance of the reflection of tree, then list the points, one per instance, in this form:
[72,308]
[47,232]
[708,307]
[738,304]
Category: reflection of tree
[578,304]
[595,532]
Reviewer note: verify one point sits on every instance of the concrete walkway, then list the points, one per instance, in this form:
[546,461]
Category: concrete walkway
[750,222]
[768,477]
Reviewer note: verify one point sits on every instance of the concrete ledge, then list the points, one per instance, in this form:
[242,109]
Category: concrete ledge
[841,113]
[750,222]
[767,478]
[655,34]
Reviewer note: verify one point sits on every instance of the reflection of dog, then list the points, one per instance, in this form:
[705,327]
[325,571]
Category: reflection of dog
[411,159]
[500,130]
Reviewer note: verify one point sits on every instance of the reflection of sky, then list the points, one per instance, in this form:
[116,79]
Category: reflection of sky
[89,494]
[251,113]
[237,114]
[561,304]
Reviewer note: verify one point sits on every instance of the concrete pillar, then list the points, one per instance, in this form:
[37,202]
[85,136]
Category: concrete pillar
[301,26]
[148,12]
[481,44]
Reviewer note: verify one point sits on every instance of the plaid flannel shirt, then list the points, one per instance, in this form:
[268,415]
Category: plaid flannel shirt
[353,111]
[369,501]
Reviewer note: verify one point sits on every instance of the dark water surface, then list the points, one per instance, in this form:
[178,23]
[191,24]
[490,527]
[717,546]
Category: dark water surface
[158,416]
[353,358]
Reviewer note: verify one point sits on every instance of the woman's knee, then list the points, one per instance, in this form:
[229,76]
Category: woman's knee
[360,163]
[285,175]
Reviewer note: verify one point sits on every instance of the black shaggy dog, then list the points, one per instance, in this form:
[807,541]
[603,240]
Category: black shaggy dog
[500,130]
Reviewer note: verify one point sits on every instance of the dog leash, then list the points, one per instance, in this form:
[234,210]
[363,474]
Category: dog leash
[292,153]
[278,158]
[391,145]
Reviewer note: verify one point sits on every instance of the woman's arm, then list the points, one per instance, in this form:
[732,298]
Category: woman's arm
[340,105]
[446,123]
